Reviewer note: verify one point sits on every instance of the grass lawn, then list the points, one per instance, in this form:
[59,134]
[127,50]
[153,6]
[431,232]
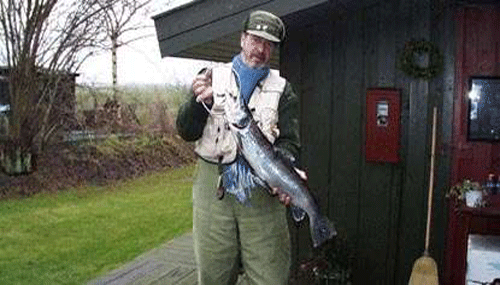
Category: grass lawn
[72,236]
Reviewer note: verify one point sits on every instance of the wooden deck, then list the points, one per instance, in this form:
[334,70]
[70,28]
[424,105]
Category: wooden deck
[171,263]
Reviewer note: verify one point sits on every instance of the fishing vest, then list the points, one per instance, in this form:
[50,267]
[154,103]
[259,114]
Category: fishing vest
[217,144]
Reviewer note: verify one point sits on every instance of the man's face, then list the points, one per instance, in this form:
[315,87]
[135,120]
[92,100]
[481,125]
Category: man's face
[256,50]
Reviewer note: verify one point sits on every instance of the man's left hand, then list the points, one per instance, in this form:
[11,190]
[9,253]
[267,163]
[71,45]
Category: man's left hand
[284,198]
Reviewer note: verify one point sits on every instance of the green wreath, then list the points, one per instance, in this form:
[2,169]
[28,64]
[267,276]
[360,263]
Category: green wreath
[407,60]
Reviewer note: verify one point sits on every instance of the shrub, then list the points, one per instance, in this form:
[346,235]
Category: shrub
[135,108]
[64,166]
[119,145]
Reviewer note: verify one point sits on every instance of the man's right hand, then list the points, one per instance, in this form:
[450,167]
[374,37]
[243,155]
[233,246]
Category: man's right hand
[202,87]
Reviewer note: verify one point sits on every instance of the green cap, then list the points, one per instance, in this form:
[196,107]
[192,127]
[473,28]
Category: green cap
[265,25]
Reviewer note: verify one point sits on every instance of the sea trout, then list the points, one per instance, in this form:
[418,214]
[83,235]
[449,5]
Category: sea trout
[274,169]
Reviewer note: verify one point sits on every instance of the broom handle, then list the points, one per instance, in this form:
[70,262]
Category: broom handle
[431,181]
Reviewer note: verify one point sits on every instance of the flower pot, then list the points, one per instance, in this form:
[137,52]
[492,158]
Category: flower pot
[474,198]
[16,162]
[335,277]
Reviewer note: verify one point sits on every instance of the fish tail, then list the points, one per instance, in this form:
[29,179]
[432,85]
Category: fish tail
[322,230]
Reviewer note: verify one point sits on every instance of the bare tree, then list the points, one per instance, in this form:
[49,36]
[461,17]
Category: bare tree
[43,42]
[122,18]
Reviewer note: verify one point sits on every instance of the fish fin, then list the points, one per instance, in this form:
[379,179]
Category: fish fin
[259,182]
[297,213]
[321,230]
[285,156]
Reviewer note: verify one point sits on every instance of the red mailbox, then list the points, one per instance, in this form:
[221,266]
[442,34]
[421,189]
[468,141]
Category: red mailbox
[383,125]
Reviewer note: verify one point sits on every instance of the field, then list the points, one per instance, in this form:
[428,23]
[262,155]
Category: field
[144,100]
[72,236]
[95,203]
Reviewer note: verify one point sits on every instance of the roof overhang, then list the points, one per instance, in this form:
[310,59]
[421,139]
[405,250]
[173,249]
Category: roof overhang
[211,30]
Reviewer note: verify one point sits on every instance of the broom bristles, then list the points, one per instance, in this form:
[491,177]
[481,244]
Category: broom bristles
[424,272]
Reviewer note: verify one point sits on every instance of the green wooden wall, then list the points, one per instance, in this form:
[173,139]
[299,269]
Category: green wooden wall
[380,207]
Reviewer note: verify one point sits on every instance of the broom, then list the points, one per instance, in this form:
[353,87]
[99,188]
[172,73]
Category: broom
[425,268]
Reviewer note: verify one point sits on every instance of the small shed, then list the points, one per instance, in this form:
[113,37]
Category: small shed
[65,102]
[339,55]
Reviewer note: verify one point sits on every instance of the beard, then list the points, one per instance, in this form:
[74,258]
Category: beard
[255,61]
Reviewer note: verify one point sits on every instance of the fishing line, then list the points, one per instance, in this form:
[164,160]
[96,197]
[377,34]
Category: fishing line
[210,113]
[205,106]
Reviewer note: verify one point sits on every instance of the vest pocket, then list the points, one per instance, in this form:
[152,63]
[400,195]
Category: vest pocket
[216,144]
[267,120]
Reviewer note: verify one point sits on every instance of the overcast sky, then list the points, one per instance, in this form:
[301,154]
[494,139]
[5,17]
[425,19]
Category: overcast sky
[140,62]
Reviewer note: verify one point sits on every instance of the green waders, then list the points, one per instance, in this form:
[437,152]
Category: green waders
[225,230]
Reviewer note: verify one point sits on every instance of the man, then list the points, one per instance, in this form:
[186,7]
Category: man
[236,223]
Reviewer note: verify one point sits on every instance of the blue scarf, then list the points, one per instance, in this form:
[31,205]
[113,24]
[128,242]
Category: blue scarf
[248,77]
[237,177]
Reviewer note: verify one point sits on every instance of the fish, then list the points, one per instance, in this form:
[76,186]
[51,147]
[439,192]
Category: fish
[275,170]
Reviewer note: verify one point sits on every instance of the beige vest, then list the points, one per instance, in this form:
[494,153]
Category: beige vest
[217,144]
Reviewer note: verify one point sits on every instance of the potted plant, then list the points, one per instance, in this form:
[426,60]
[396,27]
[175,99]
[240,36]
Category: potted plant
[332,264]
[469,191]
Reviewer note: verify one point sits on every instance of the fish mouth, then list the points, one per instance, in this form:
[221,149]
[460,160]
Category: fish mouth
[238,125]
[241,123]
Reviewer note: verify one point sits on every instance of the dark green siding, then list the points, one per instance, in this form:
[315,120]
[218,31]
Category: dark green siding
[380,207]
